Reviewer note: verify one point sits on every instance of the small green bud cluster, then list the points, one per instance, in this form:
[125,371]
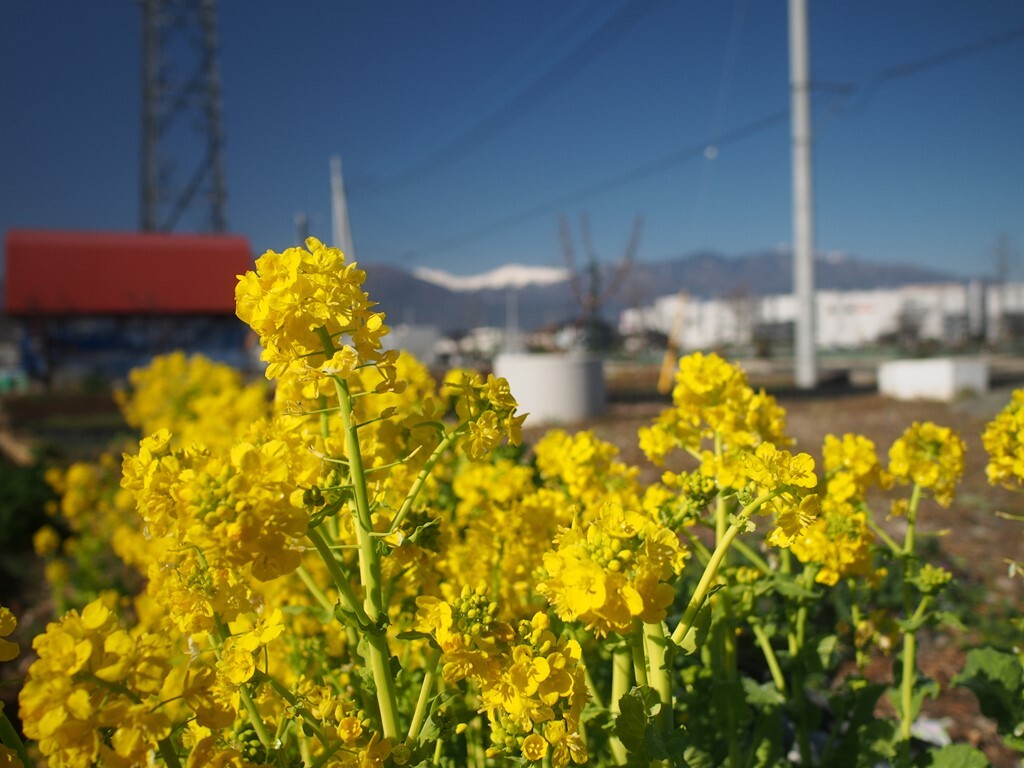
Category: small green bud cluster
[473,613]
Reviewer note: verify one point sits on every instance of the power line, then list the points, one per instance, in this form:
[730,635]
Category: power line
[889,74]
[626,177]
[492,124]
[731,137]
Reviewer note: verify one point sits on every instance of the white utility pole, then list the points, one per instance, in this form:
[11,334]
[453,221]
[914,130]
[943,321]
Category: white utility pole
[803,202]
[341,231]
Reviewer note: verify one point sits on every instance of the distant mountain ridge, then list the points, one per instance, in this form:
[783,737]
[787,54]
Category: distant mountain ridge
[542,295]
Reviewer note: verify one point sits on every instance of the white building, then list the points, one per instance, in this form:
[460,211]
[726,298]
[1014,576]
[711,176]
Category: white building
[947,313]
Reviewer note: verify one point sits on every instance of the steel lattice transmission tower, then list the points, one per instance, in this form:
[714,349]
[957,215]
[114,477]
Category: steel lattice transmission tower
[182,128]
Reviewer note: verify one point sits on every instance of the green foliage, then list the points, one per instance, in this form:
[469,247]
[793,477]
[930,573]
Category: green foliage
[25,494]
[954,756]
[997,679]
[646,729]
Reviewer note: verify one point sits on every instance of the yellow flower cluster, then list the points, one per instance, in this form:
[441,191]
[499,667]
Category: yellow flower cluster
[310,311]
[218,516]
[929,456]
[194,398]
[487,407]
[840,540]
[586,468]
[93,677]
[1004,441]
[613,571]
[784,478]
[531,682]
[713,403]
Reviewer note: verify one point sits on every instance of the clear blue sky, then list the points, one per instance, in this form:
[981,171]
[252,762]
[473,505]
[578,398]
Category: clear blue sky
[465,114]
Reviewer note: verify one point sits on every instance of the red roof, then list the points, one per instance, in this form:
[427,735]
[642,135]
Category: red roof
[122,273]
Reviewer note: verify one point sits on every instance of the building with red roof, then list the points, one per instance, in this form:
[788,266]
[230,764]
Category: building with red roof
[105,301]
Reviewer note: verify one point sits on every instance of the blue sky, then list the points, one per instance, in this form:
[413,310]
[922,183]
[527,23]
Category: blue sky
[464,134]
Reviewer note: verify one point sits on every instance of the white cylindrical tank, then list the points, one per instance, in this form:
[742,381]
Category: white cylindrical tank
[554,388]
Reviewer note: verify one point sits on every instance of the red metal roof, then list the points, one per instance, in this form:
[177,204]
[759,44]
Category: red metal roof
[122,272]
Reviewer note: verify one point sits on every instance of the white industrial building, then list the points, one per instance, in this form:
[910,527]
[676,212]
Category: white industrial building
[948,313]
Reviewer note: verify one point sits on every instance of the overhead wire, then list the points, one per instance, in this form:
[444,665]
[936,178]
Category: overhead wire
[732,47]
[493,123]
[733,136]
[671,160]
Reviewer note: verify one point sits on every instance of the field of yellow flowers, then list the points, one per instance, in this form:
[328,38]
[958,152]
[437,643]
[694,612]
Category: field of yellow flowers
[362,567]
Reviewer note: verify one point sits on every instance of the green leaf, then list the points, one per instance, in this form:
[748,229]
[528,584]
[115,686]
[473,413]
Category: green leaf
[949,620]
[762,696]
[697,758]
[415,635]
[826,650]
[642,727]
[954,756]
[997,679]
[637,712]
[787,586]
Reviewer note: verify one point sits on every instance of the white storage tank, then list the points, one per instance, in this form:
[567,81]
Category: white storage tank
[554,388]
[940,378]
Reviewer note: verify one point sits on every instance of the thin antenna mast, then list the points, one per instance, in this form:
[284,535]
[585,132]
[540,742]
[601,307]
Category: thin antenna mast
[339,212]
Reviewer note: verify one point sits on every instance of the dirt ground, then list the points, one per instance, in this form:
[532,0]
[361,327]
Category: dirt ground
[972,541]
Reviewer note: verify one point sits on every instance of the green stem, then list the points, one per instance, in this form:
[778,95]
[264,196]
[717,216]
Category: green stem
[369,570]
[909,677]
[622,678]
[314,590]
[711,570]
[254,715]
[657,657]
[721,515]
[889,541]
[426,690]
[167,752]
[751,555]
[421,478]
[765,644]
[341,581]
[10,738]
[636,645]
[218,638]
[293,701]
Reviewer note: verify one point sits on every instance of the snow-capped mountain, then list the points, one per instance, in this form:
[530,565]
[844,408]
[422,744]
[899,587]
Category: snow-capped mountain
[506,276]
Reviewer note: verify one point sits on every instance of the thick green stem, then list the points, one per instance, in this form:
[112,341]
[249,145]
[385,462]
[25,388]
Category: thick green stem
[658,673]
[369,571]
[909,677]
[622,680]
[711,570]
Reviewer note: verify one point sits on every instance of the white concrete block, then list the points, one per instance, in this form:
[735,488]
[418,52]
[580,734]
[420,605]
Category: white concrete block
[941,378]
[554,388]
